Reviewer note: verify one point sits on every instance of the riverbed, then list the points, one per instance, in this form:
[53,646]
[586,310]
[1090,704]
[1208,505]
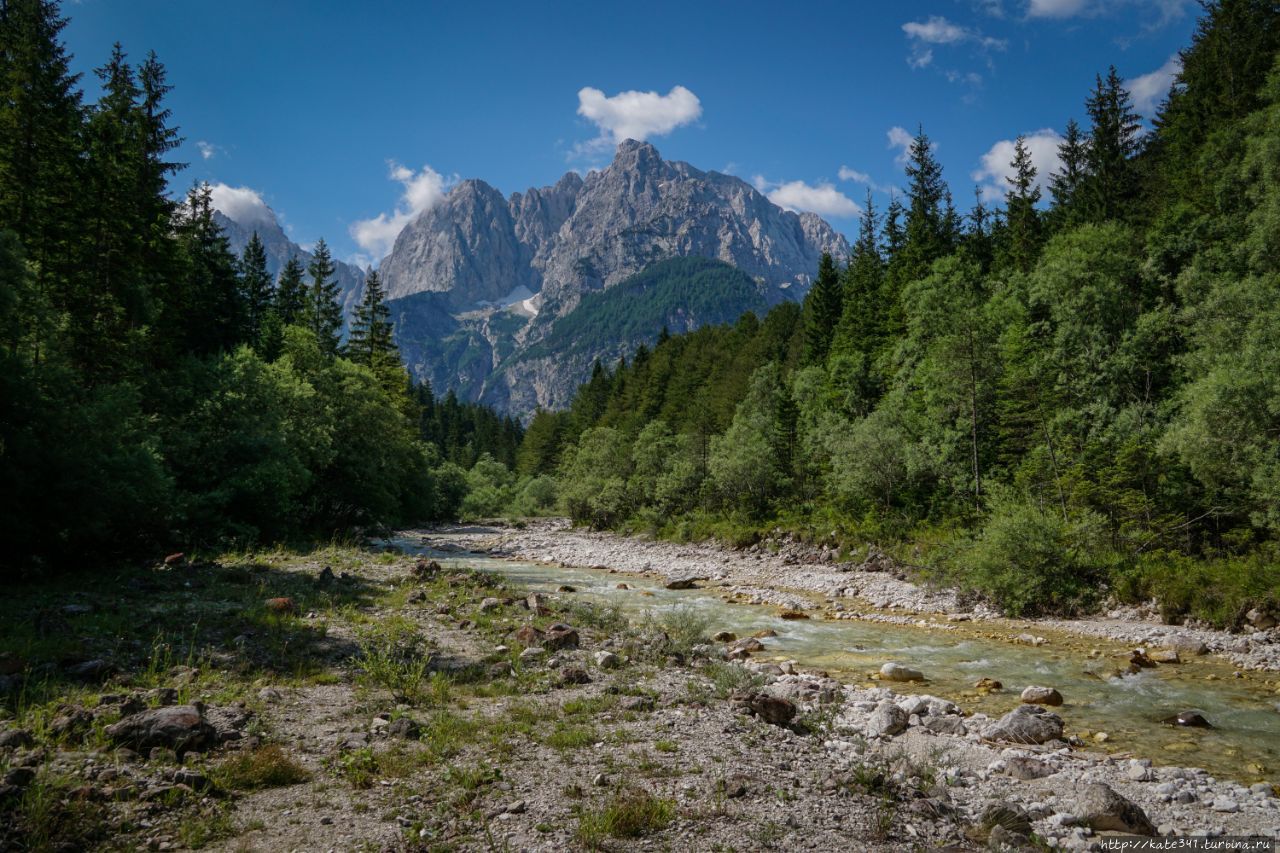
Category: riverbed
[1100,695]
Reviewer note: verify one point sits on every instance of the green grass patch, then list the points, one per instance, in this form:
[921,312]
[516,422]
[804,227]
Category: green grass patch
[266,767]
[629,813]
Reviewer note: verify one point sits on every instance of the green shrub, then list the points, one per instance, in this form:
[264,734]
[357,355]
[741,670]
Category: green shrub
[1028,560]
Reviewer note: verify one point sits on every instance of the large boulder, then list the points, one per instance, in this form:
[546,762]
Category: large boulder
[772,709]
[560,636]
[898,672]
[1103,810]
[1026,724]
[178,727]
[684,583]
[1041,696]
[887,720]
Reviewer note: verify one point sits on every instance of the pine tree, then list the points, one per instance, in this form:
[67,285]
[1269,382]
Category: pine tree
[1111,184]
[40,125]
[256,282]
[205,309]
[291,294]
[928,223]
[861,326]
[977,240]
[823,306]
[1064,185]
[371,343]
[894,236]
[323,312]
[1023,234]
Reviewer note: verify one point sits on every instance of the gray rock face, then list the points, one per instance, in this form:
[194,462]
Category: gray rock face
[452,266]
[642,209]
[465,247]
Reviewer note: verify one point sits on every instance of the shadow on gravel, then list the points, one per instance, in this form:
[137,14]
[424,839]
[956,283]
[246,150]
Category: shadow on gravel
[145,626]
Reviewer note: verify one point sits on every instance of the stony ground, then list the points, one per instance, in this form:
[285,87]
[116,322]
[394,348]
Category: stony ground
[352,699]
[355,700]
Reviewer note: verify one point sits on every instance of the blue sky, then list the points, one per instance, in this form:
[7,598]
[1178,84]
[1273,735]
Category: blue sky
[337,114]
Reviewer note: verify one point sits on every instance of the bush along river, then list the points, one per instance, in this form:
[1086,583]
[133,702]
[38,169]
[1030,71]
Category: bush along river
[1166,722]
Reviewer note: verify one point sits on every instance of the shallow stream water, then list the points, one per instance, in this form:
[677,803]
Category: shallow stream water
[1244,743]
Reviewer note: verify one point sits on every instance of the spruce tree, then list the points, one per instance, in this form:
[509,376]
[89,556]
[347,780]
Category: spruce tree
[894,237]
[41,167]
[371,343]
[323,313]
[291,294]
[1064,185]
[1022,237]
[204,312]
[823,306]
[977,239]
[861,324]
[928,221]
[256,282]
[1111,184]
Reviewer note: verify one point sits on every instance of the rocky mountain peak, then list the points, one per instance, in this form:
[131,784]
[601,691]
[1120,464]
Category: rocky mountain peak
[637,156]
[542,250]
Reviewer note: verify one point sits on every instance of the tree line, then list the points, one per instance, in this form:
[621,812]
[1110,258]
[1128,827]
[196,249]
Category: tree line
[156,391]
[1068,395]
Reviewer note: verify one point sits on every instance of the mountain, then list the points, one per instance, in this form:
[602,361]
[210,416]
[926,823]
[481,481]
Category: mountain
[280,249]
[480,284]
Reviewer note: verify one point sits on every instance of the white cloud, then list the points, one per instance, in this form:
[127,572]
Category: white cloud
[635,115]
[423,190]
[241,205]
[900,139]
[938,30]
[207,149]
[798,196]
[920,57]
[847,174]
[1149,90]
[1166,10]
[857,177]
[996,168]
[935,30]
[1056,8]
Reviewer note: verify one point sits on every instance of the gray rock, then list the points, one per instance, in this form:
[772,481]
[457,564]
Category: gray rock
[773,709]
[898,672]
[1103,810]
[683,583]
[404,727]
[1041,696]
[607,660]
[560,636]
[886,720]
[948,725]
[177,727]
[15,738]
[1026,768]
[1026,724]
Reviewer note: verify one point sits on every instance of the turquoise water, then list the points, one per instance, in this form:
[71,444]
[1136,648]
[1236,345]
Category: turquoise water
[1244,743]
